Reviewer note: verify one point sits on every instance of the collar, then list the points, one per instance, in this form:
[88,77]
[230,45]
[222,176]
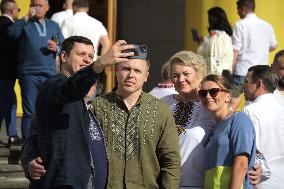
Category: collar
[251,15]
[8,16]
[89,106]
[142,98]
[266,95]
[163,85]
[80,14]
[69,11]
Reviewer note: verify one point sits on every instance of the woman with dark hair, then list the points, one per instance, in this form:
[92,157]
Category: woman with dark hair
[218,20]
[230,153]
[217,46]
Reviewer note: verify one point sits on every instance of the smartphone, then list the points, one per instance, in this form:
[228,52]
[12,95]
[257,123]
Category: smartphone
[194,34]
[140,52]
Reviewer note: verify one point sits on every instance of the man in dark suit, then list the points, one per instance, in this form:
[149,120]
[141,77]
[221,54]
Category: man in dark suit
[8,72]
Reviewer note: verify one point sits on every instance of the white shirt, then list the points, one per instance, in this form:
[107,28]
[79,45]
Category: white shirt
[84,25]
[218,52]
[159,92]
[252,37]
[199,127]
[267,115]
[59,17]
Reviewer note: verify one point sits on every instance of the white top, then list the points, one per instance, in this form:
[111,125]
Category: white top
[84,25]
[217,49]
[252,37]
[267,115]
[199,127]
[59,17]
[159,92]
[279,97]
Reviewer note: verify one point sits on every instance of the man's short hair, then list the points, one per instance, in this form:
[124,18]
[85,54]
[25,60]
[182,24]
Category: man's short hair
[275,66]
[266,75]
[81,3]
[69,42]
[47,1]
[250,4]
[277,55]
[6,5]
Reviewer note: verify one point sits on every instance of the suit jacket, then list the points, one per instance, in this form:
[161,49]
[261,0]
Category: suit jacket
[8,51]
[62,134]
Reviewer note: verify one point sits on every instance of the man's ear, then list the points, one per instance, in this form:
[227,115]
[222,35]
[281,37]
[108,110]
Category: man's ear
[146,79]
[258,84]
[63,57]
[47,7]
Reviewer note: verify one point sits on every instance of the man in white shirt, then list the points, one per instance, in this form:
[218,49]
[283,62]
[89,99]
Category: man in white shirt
[266,114]
[59,17]
[84,25]
[253,39]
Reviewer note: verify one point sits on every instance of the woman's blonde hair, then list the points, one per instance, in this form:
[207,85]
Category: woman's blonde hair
[190,59]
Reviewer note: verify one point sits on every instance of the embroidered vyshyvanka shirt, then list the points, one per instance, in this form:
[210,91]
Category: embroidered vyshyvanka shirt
[142,144]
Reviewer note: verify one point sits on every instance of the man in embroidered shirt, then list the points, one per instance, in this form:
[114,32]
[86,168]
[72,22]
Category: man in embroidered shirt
[37,54]
[69,141]
[141,136]
[253,39]
[266,112]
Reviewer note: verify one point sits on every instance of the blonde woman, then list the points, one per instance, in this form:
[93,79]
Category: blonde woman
[187,71]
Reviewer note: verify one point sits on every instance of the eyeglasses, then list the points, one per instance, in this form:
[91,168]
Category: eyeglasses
[213,92]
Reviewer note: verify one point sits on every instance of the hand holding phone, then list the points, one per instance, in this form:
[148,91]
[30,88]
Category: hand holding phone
[195,35]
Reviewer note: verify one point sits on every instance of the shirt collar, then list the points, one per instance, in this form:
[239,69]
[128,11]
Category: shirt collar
[142,98]
[251,15]
[69,11]
[81,13]
[8,16]
[266,95]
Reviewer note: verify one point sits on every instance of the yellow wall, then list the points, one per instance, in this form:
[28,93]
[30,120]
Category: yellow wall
[196,17]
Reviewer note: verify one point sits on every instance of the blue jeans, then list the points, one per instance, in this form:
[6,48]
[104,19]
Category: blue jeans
[8,105]
[30,85]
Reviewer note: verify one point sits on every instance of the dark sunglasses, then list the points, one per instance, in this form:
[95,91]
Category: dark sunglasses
[213,92]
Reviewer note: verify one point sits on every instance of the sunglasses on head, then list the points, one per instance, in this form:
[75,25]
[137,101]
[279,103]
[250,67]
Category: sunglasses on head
[213,92]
